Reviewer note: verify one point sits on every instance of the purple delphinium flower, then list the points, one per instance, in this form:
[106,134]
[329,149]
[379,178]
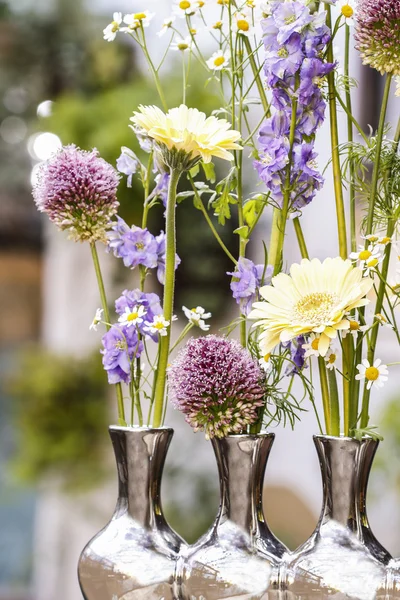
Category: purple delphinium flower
[134,245]
[289,18]
[161,258]
[77,190]
[161,188]
[121,346]
[217,385]
[247,279]
[297,353]
[135,298]
[128,164]
[286,59]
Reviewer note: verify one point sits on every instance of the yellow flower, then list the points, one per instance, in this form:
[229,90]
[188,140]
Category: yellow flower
[189,131]
[314,298]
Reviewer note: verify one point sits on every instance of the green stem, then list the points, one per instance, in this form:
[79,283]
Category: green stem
[353,224]
[154,73]
[337,176]
[334,403]
[273,243]
[102,291]
[325,394]
[259,83]
[378,149]
[168,301]
[300,238]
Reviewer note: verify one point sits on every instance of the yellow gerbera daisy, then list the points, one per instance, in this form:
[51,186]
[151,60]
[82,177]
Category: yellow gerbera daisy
[315,297]
[188,130]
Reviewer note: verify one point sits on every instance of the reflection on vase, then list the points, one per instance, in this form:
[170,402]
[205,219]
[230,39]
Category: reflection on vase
[239,556]
[392,587]
[342,559]
[134,556]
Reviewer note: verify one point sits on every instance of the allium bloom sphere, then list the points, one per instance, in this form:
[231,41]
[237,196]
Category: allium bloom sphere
[378,34]
[315,298]
[77,189]
[187,134]
[217,385]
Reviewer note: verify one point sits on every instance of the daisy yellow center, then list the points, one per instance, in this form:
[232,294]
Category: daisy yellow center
[381,318]
[372,373]
[372,263]
[200,4]
[115,26]
[347,11]
[159,326]
[217,25]
[372,238]
[332,359]
[315,308]
[364,255]
[193,31]
[139,246]
[243,25]
[183,46]
[290,20]
[283,53]
[315,344]
[219,61]
[140,16]
[184,5]
[354,326]
[386,240]
[132,316]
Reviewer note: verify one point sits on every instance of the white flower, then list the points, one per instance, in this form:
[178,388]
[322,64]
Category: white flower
[166,25]
[312,348]
[243,23]
[184,8]
[183,44]
[132,316]
[110,32]
[354,329]
[347,10]
[96,319]
[265,363]
[219,60]
[367,259]
[197,316]
[331,358]
[383,321]
[136,20]
[375,375]
[158,325]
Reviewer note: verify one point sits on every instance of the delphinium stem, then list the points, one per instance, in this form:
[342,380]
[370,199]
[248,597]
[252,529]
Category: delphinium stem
[103,298]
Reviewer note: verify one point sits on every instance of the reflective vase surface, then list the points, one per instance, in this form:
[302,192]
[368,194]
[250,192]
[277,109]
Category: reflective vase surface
[134,556]
[342,559]
[239,556]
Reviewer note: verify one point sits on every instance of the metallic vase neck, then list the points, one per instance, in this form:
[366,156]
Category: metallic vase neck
[140,455]
[241,461]
[345,467]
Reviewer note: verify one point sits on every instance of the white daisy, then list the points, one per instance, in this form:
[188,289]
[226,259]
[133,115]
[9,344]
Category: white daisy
[354,329]
[367,259]
[312,348]
[136,20]
[265,363]
[132,316]
[383,321]
[218,61]
[186,8]
[375,375]
[347,9]
[331,358]
[182,45]
[158,325]
[166,25]
[197,316]
[243,23]
[110,32]
[96,319]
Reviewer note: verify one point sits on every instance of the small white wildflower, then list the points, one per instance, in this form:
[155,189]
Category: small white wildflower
[218,61]
[312,348]
[197,316]
[132,316]
[166,25]
[376,375]
[110,32]
[136,20]
[158,325]
[182,45]
[367,258]
[96,319]
[185,8]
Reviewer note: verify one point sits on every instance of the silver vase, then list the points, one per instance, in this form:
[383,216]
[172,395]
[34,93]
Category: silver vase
[239,556]
[134,556]
[342,559]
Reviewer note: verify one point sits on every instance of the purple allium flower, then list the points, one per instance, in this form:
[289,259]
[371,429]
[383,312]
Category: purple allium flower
[135,298]
[134,245]
[77,189]
[247,279]
[161,249]
[377,33]
[217,385]
[128,164]
[121,345]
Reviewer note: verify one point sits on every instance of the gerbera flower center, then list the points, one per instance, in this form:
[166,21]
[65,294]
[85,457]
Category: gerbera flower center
[316,308]
[347,11]
[184,5]
[365,255]
[219,61]
[243,25]
[372,373]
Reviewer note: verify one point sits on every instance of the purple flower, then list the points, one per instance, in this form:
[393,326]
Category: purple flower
[161,189]
[247,279]
[77,190]
[128,164]
[217,385]
[121,345]
[135,298]
[297,353]
[161,258]
[286,59]
[290,17]
[311,72]
[134,245]
[312,115]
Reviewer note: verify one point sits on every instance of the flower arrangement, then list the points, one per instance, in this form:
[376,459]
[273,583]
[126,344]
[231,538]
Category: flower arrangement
[278,78]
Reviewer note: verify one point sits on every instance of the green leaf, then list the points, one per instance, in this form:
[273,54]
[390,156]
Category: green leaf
[242,231]
[251,211]
[183,195]
[209,171]
[194,171]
